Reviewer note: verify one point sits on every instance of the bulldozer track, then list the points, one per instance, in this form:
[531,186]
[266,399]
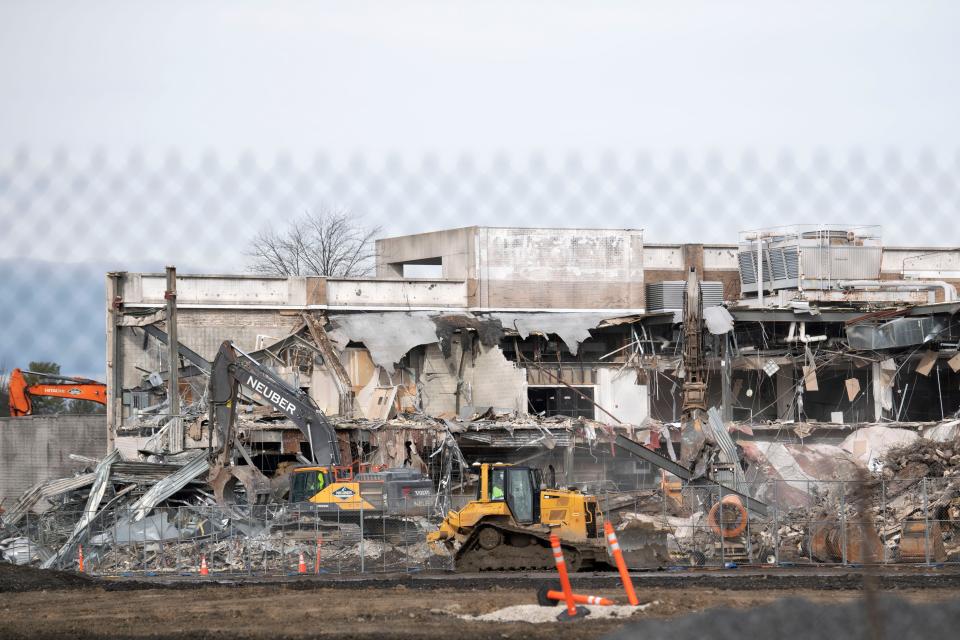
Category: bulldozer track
[519,550]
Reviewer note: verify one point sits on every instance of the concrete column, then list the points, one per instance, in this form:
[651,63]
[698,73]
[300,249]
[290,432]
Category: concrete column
[114,372]
[693,258]
[175,432]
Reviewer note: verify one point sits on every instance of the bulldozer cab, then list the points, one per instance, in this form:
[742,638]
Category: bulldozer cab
[519,487]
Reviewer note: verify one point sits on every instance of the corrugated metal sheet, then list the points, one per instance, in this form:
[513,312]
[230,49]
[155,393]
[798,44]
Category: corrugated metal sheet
[898,333]
[521,439]
[90,510]
[815,261]
[141,471]
[46,489]
[841,263]
[169,486]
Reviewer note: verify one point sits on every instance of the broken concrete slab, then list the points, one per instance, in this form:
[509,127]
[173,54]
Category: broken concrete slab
[868,445]
[572,328]
[387,336]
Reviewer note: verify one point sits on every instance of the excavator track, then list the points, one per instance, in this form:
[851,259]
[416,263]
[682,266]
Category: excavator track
[499,547]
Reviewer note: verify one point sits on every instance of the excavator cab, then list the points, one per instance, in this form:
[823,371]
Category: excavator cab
[308,482]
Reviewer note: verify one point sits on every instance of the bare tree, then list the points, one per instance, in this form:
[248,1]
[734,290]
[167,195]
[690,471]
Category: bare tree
[329,243]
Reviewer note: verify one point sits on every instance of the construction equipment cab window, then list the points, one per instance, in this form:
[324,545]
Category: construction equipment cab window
[522,486]
[496,484]
[307,484]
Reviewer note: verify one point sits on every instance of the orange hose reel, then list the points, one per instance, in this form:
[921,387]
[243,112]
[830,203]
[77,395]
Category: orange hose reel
[728,518]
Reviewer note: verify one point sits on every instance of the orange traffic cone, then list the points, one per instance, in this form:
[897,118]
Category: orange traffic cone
[302,565]
[621,564]
[80,559]
[548,597]
[204,569]
[572,611]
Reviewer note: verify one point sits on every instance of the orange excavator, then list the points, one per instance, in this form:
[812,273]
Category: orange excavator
[72,388]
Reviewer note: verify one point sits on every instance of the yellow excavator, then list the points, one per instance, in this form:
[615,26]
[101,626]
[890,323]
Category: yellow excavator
[508,526]
[373,490]
[335,491]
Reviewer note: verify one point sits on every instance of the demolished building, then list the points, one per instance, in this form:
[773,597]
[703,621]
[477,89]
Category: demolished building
[580,323]
[823,349]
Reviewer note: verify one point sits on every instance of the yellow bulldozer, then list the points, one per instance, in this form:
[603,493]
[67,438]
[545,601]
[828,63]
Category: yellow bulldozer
[507,527]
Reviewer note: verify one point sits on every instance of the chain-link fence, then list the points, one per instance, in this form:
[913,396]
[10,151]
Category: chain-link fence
[805,522]
[260,540]
[808,522]
[73,216]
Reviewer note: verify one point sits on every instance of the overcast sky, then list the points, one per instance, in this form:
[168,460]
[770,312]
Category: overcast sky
[479,76]
[137,133]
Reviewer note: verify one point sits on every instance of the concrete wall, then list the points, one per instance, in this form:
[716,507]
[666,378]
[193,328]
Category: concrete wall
[36,448]
[252,293]
[496,382]
[203,330]
[381,293]
[454,247]
[517,268]
[560,268]
[227,289]
[621,396]
[490,380]
[923,263]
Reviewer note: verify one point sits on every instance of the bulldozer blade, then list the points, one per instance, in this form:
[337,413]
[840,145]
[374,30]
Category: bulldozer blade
[644,546]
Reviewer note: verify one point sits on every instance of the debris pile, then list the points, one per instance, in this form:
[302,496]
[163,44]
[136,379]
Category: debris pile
[130,517]
[923,458]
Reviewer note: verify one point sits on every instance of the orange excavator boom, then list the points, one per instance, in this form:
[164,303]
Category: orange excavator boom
[76,389]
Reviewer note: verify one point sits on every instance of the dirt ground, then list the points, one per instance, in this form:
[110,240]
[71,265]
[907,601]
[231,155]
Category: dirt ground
[279,611]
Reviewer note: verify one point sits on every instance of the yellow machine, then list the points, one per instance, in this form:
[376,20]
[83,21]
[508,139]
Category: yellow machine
[336,489]
[508,526]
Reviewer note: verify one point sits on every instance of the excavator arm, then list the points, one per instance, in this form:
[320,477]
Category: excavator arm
[20,392]
[233,369]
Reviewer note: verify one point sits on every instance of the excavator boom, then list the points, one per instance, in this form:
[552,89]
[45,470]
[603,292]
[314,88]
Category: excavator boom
[233,368]
[20,392]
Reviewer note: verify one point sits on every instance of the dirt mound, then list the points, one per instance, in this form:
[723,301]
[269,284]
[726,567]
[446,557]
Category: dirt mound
[798,618]
[22,578]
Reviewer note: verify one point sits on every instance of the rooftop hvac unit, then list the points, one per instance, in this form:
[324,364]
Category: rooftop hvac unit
[809,257]
[669,295]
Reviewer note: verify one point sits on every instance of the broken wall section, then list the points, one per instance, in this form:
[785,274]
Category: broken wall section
[489,380]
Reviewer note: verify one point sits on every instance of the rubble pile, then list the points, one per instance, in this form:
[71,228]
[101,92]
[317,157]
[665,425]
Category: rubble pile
[923,458]
[135,517]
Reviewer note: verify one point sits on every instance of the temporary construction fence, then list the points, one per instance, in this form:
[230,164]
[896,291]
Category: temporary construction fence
[816,522]
[264,540]
[804,522]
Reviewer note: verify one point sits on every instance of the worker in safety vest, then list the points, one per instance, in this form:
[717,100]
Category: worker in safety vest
[317,483]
